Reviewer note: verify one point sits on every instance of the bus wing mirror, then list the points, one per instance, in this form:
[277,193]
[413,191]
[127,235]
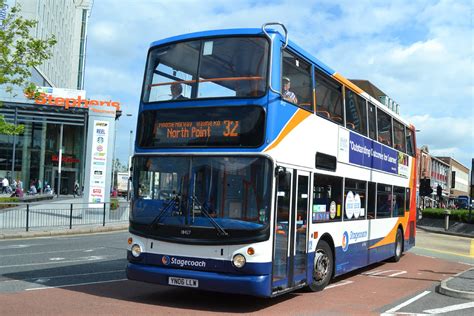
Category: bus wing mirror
[280,171]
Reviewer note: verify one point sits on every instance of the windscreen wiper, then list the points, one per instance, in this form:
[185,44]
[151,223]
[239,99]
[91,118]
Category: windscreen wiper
[173,202]
[221,231]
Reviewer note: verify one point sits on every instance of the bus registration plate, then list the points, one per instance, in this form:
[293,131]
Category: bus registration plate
[183,282]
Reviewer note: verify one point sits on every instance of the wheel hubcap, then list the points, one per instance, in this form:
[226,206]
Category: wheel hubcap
[399,245]
[321,266]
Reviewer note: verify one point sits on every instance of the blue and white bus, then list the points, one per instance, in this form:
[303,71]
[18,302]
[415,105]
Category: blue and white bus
[260,170]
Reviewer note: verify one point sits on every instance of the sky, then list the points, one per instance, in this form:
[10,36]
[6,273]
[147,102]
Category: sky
[419,52]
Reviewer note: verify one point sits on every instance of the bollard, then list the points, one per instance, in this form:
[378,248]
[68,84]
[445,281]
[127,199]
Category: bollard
[27,217]
[446,219]
[70,218]
[103,218]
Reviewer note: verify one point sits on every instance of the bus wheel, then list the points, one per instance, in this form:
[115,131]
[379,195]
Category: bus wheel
[398,246]
[322,267]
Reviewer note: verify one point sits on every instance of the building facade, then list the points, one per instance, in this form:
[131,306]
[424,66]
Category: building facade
[459,178]
[67,20]
[52,148]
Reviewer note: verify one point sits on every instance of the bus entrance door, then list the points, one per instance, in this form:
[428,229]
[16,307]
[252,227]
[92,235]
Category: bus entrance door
[289,254]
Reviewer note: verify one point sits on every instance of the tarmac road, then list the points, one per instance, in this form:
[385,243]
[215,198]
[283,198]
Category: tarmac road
[85,275]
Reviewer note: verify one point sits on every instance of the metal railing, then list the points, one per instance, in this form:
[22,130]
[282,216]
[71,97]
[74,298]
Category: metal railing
[30,216]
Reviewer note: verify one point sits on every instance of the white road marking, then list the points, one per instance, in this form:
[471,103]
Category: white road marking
[341,283]
[71,285]
[371,272]
[50,252]
[62,276]
[398,273]
[15,247]
[384,273]
[396,314]
[408,302]
[450,308]
[83,259]
[41,280]
[56,259]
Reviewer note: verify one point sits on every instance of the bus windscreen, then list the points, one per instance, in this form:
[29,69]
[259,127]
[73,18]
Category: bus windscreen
[196,127]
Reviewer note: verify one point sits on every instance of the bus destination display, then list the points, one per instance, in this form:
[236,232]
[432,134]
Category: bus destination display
[199,127]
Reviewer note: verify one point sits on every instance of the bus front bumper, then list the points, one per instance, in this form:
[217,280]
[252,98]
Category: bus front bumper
[257,285]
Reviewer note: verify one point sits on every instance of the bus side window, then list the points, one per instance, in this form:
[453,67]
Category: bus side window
[354,199]
[384,122]
[356,112]
[327,198]
[407,199]
[384,200]
[296,85]
[399,201]
[372,122]
[399,136]
[328,98]
[410,142]
[371,200]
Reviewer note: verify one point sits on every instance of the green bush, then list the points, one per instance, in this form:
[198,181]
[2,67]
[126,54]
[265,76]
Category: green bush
[114,204]
[456,215]
[8,200]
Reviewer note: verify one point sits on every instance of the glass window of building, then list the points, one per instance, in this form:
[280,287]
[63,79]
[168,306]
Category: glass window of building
[327,198]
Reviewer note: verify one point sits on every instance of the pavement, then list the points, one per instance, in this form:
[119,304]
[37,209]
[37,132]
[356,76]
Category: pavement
[58,232]
[59,202]
[460,286]
[436,225]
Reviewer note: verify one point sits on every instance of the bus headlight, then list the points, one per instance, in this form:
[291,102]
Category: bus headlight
[136,250]
[238,261]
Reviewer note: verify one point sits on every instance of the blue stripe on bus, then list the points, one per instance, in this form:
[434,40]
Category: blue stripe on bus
[358,255]
[258,285]
[223,266]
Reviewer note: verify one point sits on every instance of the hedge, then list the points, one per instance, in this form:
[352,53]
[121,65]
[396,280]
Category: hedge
[456,215]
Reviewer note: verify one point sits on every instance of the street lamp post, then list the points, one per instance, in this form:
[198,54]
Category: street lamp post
[114,155]
[128,163]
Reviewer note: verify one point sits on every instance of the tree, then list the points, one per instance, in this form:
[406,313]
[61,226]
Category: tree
[19,52]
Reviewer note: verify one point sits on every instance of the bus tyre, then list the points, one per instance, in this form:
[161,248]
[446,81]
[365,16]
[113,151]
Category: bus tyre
[323,267]
[398,246]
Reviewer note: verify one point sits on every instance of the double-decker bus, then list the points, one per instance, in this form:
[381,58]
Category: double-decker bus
[260,170]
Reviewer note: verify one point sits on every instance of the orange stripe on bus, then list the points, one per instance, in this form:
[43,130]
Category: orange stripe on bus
[299,117]
[346,82]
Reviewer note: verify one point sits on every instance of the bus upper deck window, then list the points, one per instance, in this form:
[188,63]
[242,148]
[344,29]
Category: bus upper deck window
[296,81]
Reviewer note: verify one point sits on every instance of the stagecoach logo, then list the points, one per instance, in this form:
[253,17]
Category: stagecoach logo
[345,241]
[183,263]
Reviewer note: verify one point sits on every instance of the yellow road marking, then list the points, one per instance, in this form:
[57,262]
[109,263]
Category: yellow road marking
[472,248]
[471,255]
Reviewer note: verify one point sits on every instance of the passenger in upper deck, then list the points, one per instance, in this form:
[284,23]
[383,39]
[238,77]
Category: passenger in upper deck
[287,94]
[176,92]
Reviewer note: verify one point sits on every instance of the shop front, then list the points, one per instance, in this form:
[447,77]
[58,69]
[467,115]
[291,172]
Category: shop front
[53,139]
